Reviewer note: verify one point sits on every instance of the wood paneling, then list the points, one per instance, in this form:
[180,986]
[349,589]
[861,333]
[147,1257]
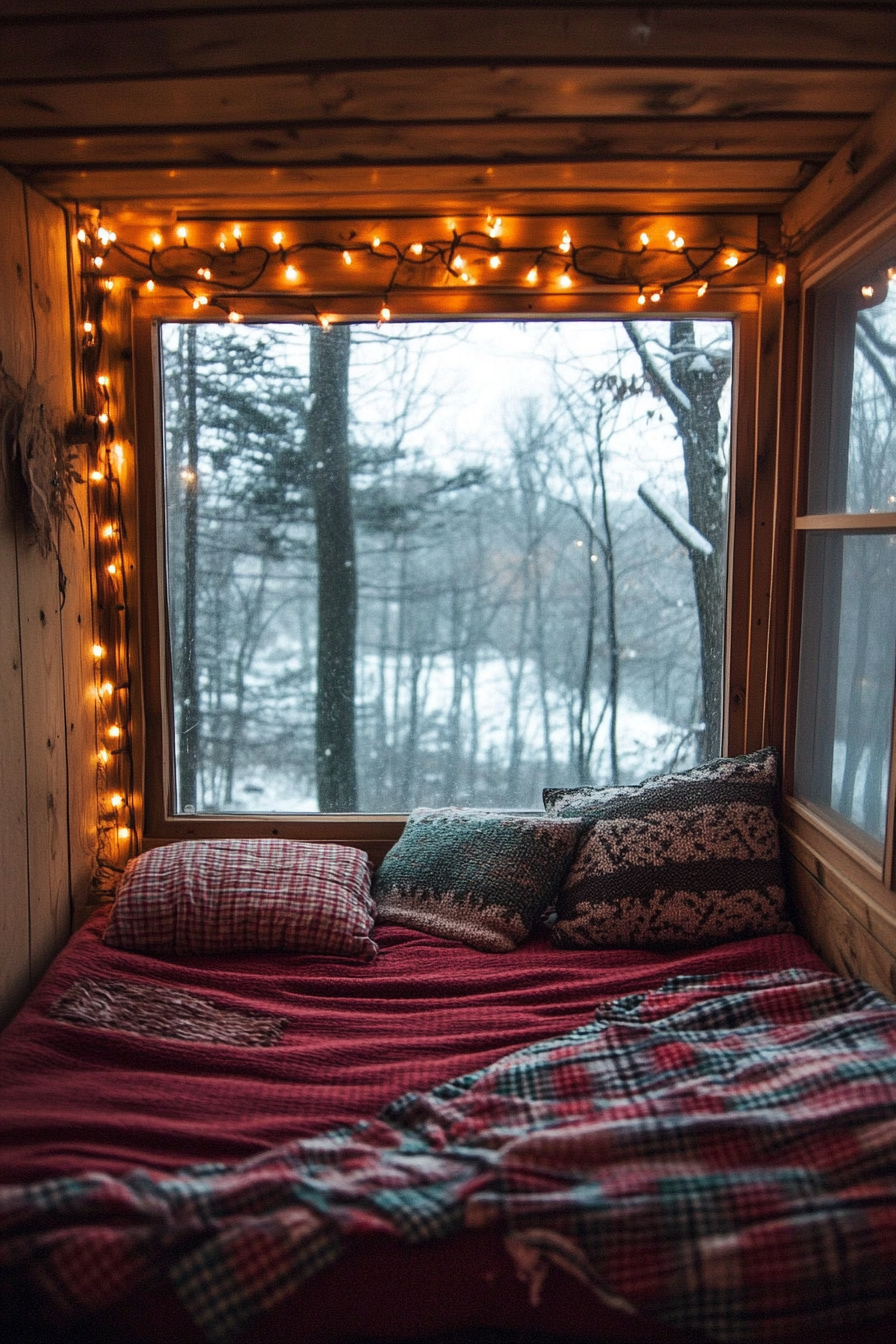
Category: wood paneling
[866,159]
[117,44]
[854,935]
[45,771]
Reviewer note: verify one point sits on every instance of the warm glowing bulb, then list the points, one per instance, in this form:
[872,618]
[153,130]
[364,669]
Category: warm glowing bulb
[780,275]
[565,242]
[565,280]
[385,313]
[292,274]
[237,232]
[97,650]
[495,230]
[204,272]
[108,286]
[417,249]
[150,286]
[867,291]
[732,259]
[324,323]
[124,833]
[103,756]
[465,276]
[107,688]
[494,262]
[532,276]
[671,235]
[458,263]
[157,240]
[234,316]
[103,380]
[96,475]
[82,236]
[103,419]
[278,238]
[118,453]
[376,242]
[222,242]
[679,242]
[103,235]
[88,328]
[656,296]
[112,570]
[108,531]
[645,239]
[114,730]
[182,233]
[642,299]
[701,289]
[98,262]
[347,257]
[117,799]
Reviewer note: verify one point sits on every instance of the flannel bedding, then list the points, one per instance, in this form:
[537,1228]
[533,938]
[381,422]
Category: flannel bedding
[718,1153]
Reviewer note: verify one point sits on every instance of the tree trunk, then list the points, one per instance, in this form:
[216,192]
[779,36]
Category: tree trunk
[330,471]
[697,417]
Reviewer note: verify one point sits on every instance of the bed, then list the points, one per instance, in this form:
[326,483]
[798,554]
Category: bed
[437,1141]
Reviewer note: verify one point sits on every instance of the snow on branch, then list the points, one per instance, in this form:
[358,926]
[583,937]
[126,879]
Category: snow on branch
[677,524]
[673,395]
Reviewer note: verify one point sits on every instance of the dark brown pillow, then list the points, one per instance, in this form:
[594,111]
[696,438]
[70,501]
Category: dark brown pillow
[480,877]
[683,860]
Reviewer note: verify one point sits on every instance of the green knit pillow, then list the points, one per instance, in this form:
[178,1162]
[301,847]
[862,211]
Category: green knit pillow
[480,877]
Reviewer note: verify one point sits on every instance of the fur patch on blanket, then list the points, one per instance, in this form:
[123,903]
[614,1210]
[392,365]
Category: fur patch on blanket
[158,1010]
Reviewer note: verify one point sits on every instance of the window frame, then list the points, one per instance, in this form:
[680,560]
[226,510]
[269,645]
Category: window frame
[753,312]
[860,241]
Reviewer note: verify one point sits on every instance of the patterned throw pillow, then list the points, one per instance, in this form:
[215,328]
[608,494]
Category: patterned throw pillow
[219,896]
[480,877]
[682,860]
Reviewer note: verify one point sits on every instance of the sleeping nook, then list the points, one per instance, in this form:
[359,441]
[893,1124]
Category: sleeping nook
[447,669]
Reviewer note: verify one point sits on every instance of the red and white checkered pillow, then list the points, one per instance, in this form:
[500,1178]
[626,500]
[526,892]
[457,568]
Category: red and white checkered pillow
[219,896]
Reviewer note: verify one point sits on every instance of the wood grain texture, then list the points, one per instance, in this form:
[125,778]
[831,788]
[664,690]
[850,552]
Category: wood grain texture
[37,790]
[867,158]
[116,43]
[842,939]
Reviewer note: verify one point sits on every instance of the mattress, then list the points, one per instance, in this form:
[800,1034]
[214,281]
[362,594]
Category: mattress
[334,1042]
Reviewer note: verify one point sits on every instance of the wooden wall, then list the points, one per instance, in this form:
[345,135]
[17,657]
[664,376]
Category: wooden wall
[47,771]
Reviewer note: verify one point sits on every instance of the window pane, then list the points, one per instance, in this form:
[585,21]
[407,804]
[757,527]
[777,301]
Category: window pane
[410,565]
[847,669]
[853,449]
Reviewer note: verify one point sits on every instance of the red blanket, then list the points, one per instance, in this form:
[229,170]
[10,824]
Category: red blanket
[354,1036]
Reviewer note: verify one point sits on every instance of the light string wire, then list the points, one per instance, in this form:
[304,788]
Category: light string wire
[217,277]
[111,608]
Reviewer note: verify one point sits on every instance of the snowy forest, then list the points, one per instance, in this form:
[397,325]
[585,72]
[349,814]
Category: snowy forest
[428,563]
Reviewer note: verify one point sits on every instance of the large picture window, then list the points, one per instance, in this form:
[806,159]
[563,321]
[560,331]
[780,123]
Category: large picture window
[431,563]
[844,731]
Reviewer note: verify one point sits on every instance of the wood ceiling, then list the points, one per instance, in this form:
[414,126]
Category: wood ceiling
[208,107]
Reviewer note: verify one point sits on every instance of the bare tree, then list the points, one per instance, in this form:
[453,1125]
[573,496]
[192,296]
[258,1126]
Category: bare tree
[691,380]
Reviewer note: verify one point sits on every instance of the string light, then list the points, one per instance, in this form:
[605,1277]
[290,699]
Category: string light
[124,832]
[642,299]
[82,235]
[96,475]
[780,275]
[603,264]
[867,291]
[98,651]
[656,296]
[234,316]
[701,289]
[103,756]
[98,262]
[385,313]
[116,800]
[114,731]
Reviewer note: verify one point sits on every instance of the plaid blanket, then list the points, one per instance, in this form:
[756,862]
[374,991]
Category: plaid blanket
[719,1153]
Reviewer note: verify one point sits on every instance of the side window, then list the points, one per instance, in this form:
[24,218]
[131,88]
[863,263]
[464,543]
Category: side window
[844,732]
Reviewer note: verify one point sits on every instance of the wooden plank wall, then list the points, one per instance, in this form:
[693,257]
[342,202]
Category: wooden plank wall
[47,785]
